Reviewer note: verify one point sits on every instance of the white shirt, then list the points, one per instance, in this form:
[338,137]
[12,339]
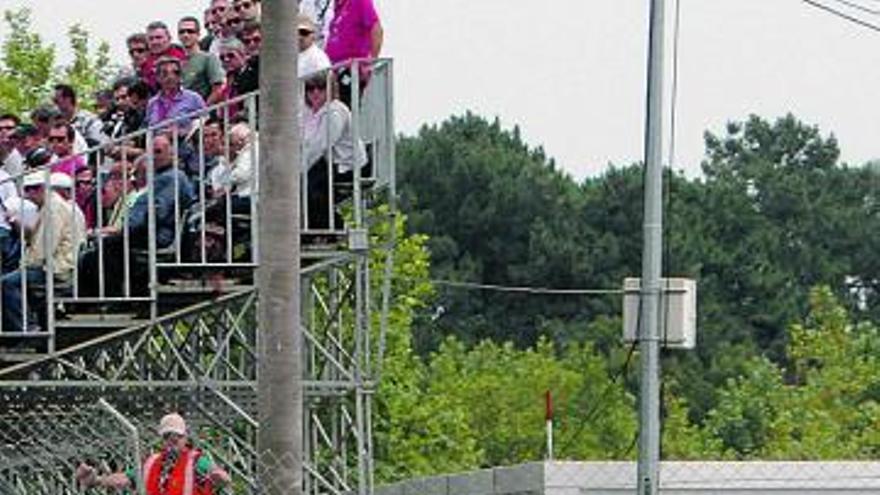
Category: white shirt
[330,128]
[312,60]
[14,163]
[22,211]
[239,178]
[8,195]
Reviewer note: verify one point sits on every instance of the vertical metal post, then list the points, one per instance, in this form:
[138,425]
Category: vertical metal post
[49,239]
[279,379]
[151,229]
[135,444]
[649,320]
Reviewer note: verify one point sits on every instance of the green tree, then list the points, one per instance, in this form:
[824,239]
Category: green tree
[88,72]
[417,433]
[502,389]
[28,64]
[497,212]
[824,407]
[28,67]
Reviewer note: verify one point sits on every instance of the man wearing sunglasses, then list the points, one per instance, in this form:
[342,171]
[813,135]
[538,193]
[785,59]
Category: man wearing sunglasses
[241,76]
[216,12]
[177,468]
[248,10]
[321,13]
[202,71]
[11,160]
[173,101]
[312,58]
[138,52]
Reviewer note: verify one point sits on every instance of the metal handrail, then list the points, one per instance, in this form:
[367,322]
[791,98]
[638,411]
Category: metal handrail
[364,113]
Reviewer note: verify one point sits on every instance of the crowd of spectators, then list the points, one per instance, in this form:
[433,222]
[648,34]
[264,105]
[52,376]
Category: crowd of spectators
[69,175]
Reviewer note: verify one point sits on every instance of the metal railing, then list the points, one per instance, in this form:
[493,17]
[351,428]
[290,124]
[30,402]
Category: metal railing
[181,200]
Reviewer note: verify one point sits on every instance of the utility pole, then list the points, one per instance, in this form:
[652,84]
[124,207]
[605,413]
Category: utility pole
[652,259]
[280,387]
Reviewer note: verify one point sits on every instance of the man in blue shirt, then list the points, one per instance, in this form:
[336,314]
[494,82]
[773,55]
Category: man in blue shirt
[172,195]
[167,180]
[173,101]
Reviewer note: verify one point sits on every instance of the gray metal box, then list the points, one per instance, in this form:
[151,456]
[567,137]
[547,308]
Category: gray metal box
[678,312]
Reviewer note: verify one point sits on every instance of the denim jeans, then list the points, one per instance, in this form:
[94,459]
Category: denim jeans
[11,285]
[10,250]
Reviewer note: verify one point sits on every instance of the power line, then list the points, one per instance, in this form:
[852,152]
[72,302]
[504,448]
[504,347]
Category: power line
[858,6]
[842,15]
[526,289]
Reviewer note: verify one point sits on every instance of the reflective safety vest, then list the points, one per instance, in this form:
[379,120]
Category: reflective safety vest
[182,479]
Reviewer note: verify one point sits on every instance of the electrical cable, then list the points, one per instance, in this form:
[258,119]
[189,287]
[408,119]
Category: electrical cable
[842,15]
[858,6]
[526,289]
[603,397]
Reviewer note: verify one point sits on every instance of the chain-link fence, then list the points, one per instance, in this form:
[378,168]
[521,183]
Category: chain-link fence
[677,478]
[43,444]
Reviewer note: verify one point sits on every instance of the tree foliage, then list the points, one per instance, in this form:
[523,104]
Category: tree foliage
[774,215]
[28,64]
[28,68]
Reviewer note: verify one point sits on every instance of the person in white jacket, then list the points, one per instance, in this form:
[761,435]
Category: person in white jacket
[237,178]
[329,147]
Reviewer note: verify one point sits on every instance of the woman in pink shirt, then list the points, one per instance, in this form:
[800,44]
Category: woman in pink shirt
[355,33]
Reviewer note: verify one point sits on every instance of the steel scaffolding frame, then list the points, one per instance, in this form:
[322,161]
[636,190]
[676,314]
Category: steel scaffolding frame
[73,404]
[201,361]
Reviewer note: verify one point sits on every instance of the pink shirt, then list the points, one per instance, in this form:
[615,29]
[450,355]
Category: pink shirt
[350,31]
[69,165]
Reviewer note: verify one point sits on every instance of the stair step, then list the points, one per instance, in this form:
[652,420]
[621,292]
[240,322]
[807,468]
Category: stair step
[99,321]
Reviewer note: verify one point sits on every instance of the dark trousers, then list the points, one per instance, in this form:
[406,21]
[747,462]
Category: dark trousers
[10,250]
[13,309]
[318,200]
[91,270]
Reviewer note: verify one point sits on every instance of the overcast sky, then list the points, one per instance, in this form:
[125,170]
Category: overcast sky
[571,73]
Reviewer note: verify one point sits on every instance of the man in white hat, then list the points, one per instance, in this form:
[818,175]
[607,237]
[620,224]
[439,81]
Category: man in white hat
[177,469]
[54,238]
[312,58]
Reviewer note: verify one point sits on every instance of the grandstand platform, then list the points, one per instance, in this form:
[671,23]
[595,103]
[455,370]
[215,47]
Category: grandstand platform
[175,327]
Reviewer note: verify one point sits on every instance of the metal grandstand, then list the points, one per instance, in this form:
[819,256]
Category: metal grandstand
[100,360]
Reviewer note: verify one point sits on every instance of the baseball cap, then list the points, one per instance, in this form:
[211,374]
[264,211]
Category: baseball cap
[172,423]
[33,179]
[305,22]
[60,180]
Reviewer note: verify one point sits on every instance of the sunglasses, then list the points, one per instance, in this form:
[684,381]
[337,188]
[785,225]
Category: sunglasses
[85,182]
[253,40]
[242,6]
[187,31]
[135,51]
[305,32]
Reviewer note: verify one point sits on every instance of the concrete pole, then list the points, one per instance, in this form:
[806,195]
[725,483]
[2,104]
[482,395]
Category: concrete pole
[652,262]
[280,389]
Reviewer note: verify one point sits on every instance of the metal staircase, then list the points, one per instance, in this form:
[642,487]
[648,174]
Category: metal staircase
[181,332]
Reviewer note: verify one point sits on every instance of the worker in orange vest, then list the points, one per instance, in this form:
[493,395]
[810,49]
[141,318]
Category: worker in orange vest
[177,469]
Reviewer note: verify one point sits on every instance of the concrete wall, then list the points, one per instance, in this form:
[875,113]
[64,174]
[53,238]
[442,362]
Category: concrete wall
[677,478]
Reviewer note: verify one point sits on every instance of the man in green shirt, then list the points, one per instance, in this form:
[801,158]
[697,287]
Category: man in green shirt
[202,71]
